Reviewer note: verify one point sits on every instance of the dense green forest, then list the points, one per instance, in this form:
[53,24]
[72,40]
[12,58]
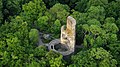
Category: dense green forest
[97,30]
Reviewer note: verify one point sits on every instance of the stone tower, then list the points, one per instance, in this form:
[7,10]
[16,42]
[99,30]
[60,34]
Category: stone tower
[67,39]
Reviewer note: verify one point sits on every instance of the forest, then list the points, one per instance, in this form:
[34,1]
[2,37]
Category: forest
[97,31]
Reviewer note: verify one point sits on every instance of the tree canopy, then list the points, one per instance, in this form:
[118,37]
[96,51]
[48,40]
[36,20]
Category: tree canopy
[23,24]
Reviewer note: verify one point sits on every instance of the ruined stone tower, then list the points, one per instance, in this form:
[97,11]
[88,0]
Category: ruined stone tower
[67,39]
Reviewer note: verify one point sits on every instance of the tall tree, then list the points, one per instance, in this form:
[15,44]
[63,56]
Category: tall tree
[94,57]
[96,12]
[113,9]
[1,14]
[32,10]
[12,7]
